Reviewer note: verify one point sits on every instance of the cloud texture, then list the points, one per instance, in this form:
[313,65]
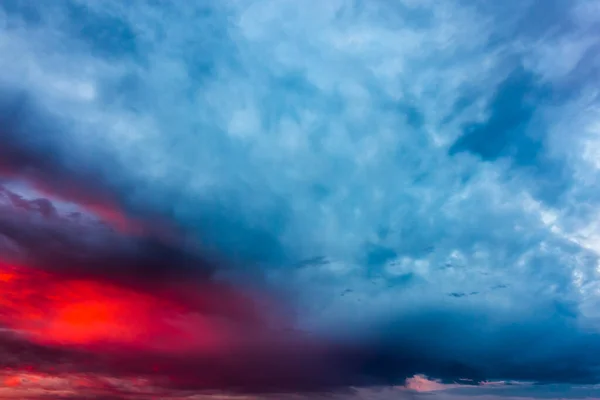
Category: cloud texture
[281,196]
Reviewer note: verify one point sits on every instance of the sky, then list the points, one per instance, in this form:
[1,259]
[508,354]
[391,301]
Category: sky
[303,200]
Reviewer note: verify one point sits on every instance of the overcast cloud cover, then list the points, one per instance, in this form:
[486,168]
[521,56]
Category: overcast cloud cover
[414,181]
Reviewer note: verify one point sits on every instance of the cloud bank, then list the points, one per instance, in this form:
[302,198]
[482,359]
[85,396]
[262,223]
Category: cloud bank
[326,194]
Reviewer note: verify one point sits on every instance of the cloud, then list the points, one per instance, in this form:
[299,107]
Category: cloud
[414,179]
[420,383]
[92,301]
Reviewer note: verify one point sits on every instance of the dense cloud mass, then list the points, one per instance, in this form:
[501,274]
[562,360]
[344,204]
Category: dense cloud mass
[299,197]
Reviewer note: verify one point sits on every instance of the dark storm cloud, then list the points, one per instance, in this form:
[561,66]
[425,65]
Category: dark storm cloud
[454,345]
[29,150]
[76,243]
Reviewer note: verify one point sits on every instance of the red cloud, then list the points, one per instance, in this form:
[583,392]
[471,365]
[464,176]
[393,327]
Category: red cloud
[97,314]
[176,334]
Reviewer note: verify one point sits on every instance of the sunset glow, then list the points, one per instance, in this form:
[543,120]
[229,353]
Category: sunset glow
[72,312]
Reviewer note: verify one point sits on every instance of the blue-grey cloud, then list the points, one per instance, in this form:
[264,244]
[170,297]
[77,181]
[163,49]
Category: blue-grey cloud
[419,178]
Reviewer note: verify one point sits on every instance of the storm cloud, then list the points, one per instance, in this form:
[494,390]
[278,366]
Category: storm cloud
[345,193]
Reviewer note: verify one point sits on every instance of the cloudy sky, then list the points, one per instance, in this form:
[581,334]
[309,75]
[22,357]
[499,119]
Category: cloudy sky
[291,199]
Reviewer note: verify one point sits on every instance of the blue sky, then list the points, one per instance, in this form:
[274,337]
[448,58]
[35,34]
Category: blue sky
[420,177]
